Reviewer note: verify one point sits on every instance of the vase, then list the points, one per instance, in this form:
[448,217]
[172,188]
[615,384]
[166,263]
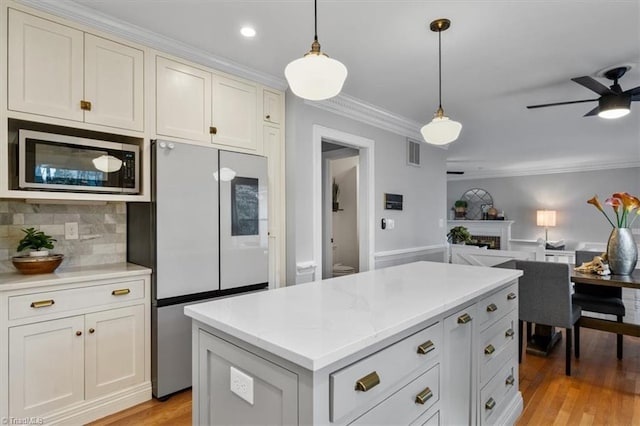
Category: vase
[622,251]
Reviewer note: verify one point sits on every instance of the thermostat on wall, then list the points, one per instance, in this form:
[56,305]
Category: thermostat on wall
[393,201]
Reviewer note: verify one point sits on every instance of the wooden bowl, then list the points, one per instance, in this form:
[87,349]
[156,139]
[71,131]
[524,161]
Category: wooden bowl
[37,264]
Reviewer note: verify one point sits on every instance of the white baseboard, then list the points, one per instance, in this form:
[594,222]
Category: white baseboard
[512,412]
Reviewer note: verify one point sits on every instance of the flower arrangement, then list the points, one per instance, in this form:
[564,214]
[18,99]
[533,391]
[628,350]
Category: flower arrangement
[623,205]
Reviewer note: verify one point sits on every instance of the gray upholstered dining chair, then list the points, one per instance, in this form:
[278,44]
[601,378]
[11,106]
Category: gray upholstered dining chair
[545,298]
[598,298]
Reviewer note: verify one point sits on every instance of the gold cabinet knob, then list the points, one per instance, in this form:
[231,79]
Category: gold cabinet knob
[491,403]
[42,303]
[85,105]
[464,318]
[426,347]
[78,333]
[511,296]
[268,116]
[509,333]
[489,350]
[510,381]
[92,330]
[424,396]
[213,130]
[492,308]
[368,382]
[120,292]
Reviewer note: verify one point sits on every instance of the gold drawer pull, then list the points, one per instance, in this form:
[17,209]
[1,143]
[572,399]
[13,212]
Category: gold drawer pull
[511,296]
[213,130]
[85,105]
[489,350]
[492,308]
[509,333]
[426,347]
[42,303]
[510,381]
[424,396]
[464,318]
[368,382]
[490,404]
[121,292]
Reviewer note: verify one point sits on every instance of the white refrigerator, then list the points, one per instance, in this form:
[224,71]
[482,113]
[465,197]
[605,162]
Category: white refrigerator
[204,234]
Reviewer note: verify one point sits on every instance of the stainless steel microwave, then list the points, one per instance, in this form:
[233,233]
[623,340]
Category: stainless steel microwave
[48,161]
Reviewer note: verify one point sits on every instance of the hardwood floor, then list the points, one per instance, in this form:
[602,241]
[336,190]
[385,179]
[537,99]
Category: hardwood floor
[601,390]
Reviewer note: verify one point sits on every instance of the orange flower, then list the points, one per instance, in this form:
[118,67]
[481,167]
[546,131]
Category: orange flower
[619,201]
[629,202]
[595,202]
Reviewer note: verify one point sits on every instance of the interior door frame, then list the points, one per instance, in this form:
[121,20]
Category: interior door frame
[366,194]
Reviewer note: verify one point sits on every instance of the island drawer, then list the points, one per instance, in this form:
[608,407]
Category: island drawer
[58,301]
[497,305]
[408,403]
[356,387]
[498,392]
[497,345]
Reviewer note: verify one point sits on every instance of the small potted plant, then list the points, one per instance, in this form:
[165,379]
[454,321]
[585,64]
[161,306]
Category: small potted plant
[460,207]
[459,235]
[37,241]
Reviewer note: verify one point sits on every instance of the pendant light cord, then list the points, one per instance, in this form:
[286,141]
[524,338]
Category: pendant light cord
[440,68]
[315,19]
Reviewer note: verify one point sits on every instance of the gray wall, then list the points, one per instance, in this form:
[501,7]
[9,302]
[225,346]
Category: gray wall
[102,231]
[567,193]
[423,188]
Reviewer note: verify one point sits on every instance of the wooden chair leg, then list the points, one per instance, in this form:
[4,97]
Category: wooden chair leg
[520,333]
[529,331]
[619,317]
[567,369]
[576,329]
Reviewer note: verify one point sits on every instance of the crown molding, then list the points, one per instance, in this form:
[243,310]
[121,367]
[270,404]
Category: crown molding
[92,18]
[575,168]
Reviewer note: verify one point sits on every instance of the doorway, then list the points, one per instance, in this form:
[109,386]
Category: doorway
[340,237]
[348,145]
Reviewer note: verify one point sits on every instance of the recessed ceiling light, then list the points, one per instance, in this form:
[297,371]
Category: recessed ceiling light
[248,32]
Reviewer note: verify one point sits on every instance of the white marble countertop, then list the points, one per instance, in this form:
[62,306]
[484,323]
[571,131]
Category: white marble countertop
[17,280]
[316,324]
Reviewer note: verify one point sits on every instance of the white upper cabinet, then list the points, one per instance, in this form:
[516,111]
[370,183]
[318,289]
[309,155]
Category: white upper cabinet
[45,67]
[271,107]
[113,83]
[183,101]
[234,113]
[58,71]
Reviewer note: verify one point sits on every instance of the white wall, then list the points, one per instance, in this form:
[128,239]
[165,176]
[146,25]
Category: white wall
[424,188]
[567,193]
[345,221]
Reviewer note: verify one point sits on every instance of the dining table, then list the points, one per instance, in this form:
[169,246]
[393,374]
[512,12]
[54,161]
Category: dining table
[613,280]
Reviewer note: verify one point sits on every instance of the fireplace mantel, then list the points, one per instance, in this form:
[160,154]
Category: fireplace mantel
[495,228]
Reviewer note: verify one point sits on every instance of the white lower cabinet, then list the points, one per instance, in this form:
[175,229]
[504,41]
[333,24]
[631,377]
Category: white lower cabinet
[76,352]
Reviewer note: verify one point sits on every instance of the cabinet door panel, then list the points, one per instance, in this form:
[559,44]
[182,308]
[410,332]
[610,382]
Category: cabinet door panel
[114,350]
[234,113]
[45,72]
[275,172]
[46,366]
[271,107]
[183,101]
[113,83]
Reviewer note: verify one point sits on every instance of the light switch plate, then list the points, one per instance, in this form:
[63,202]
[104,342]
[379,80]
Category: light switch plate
[71,231]
[241,384]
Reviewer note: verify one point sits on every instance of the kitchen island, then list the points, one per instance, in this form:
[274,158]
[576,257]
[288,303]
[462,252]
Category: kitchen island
[421,343]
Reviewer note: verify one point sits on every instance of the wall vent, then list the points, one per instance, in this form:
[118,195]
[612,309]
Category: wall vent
[413,152]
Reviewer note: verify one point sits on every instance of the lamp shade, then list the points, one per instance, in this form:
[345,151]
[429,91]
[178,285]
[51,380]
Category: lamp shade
[546,218]
[614,106]
[441,131]
[107,163]
[315,76]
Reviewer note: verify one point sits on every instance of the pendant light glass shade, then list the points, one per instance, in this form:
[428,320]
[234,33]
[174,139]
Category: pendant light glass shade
[315,76]
[107,163]
[441,130]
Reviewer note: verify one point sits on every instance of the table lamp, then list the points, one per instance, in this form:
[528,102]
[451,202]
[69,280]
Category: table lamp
[546,218]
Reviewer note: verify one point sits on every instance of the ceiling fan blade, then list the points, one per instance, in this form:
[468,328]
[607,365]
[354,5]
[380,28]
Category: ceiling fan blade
[454,172]
[560,103]
[594,85]
[593,112]
[635,93]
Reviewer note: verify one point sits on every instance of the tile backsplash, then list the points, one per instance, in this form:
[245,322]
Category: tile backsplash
[102,231]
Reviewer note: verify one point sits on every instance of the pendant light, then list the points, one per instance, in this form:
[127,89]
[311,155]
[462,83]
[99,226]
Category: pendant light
[315,76]
[441,130]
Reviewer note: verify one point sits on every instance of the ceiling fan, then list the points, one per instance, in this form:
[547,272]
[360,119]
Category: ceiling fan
[612,103]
